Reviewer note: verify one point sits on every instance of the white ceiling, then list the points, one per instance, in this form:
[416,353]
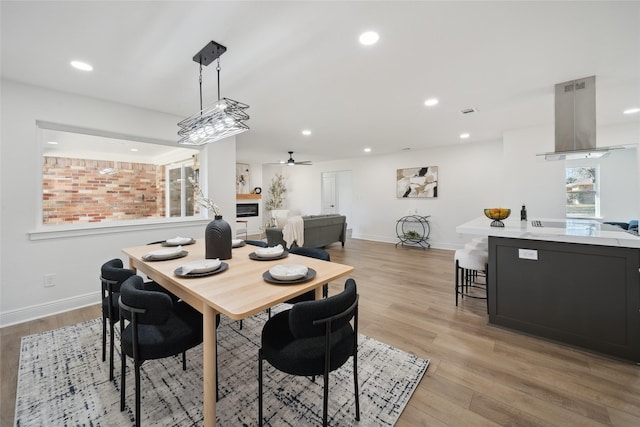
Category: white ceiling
[299,65]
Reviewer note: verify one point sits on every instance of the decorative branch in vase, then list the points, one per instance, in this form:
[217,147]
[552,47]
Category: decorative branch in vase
[217,235]
[203,201]
[276,192]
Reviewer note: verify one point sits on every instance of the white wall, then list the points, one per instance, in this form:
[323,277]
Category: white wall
[471,177]
[468,181]
[75,260]
[531,180]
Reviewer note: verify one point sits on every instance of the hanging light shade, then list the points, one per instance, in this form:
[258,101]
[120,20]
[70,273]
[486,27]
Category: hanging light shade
[222,119]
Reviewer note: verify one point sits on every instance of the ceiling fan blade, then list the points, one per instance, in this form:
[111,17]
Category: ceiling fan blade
[291,161]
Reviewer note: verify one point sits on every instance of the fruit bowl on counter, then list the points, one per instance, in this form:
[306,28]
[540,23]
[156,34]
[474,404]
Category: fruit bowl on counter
[497,215]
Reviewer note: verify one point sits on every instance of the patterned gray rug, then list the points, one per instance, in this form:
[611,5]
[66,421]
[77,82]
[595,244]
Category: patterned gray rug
[63,381]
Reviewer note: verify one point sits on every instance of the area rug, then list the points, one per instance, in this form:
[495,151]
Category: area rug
[63,381]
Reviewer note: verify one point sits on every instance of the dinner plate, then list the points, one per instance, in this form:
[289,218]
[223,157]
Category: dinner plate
[288,272]
[255,257]
[223,266]
[237,243]
[152,257]
[200,266]
[270,252]
[311,273]
[178,241]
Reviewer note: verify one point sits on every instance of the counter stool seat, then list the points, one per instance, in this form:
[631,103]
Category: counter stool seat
[471,264]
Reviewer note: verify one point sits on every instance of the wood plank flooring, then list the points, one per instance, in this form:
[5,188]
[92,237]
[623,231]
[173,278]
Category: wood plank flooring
[479,375]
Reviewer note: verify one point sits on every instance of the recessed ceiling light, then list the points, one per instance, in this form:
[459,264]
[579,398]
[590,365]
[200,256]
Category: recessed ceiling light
[367,150]
[134,149]
[306,132]
[632,111]
[464,135]
[81,66]
[368,38]
[431,102]
[52,142]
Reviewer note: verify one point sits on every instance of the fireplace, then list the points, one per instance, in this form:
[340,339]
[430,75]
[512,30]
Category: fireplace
[244,210]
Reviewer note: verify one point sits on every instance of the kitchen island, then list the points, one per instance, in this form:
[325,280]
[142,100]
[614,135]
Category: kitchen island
[576,282]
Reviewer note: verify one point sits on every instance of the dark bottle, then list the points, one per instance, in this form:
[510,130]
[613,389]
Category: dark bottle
[523,213]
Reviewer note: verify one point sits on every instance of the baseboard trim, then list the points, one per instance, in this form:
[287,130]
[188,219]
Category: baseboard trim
[33,312]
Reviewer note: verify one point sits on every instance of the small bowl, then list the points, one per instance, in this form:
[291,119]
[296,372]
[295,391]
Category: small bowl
[497,215]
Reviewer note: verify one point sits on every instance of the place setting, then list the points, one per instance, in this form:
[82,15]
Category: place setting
[288,274]
[237,243]
[178,241]
[201,268]
[269,254]
[165,254]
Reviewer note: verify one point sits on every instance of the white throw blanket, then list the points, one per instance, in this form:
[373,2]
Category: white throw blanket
[293,231]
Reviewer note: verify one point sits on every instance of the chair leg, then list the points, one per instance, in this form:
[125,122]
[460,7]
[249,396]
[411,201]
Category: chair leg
[457,281]
[184,360]
[137,364]
[111,335]
[325,398]
[260,387]
[355,383]
[104,339]
[123,371]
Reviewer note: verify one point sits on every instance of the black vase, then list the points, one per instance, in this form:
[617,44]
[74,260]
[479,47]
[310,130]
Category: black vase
[217,239]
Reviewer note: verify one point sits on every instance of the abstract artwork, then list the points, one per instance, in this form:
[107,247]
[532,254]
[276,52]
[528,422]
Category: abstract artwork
[242,179]
[421,182]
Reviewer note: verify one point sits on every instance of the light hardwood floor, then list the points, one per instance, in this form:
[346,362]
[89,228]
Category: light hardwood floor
[479,375]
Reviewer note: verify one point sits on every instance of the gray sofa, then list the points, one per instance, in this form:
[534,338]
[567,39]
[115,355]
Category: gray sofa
[319,231]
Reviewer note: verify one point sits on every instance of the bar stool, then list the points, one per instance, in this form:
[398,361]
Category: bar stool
[246,228]
[470,262]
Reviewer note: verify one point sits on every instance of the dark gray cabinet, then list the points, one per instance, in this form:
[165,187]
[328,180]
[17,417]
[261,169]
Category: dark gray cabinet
[583,295]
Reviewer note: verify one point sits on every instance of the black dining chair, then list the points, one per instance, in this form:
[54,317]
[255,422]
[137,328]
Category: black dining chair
[316,253]
[313,338]
[158,327]
[112,275]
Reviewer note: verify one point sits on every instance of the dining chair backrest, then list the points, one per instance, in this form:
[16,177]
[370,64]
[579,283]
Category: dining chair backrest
[316,253]
[308,318]
[151,307]
[113,273]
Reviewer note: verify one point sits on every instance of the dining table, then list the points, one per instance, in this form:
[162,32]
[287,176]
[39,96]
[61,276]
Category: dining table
[239,290]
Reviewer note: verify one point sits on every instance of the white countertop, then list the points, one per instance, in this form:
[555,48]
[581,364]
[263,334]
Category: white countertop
[557,230]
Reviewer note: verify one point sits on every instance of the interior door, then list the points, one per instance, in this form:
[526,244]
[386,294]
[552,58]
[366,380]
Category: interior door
[329,199]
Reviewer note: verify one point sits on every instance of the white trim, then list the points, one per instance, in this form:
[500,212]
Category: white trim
[114,227]
[33,312]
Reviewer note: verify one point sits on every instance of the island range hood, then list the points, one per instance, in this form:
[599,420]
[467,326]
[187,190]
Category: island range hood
[575,125]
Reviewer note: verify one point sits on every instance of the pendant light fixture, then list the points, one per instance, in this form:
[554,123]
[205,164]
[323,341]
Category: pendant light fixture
[223,118]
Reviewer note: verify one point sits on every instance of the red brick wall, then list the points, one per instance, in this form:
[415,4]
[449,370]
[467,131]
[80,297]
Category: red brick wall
[74,191]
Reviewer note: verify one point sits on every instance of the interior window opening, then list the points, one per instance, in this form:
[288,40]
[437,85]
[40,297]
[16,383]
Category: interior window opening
[88,178]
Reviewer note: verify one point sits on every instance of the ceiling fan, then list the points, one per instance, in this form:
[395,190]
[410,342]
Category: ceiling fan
[292,162]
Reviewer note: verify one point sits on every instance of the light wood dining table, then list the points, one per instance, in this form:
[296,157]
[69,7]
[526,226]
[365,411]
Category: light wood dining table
[238,292]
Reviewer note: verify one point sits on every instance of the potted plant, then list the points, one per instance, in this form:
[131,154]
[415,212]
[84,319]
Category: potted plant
[274,204]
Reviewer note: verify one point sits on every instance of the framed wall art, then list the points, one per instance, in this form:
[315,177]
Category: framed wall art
[243,183]
[420,182]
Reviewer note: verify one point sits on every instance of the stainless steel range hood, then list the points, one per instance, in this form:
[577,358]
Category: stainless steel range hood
[575,126]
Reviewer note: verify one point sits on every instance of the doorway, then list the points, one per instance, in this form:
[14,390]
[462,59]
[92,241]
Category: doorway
[337,194]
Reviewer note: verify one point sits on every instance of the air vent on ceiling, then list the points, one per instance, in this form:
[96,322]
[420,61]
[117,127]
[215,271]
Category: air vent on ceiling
[468,111]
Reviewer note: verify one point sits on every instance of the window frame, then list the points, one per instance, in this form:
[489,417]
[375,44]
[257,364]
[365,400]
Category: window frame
[51,231]
[596,190]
